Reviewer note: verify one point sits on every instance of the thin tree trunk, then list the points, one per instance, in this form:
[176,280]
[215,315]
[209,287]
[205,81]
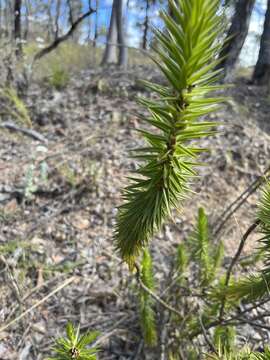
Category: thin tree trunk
[89,22]
[0,19]
[123,50]
[6,20]
[146,26]
[17,27]
[75,7]
[128,3]
[110,54]
[70,16]
[57,16]
[236,35]
[27,13]
[96,24]
[116,37]
[50,20]
[261,73]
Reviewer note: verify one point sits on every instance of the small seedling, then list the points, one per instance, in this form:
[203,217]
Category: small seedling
[74,345]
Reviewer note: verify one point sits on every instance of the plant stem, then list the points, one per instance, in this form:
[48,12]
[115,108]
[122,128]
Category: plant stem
[237,203]
[234,261]
[153,295]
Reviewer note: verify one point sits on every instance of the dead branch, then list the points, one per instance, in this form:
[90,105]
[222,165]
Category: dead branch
[28,132]
[63,38]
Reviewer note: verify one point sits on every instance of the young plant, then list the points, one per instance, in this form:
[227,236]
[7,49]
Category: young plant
[74,345]
[187,56]
[59,78]
[208,259]
[148,323]
[245,354]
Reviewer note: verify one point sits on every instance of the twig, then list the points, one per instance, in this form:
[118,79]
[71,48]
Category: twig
[101,339]
[248,321]
[28,132]
[255,306]
[137,354]
[208,341]
[235,259]
[153,295]
[237,203]
[38,303]
[11,281]
[63,38]
[232,320]
[32,291]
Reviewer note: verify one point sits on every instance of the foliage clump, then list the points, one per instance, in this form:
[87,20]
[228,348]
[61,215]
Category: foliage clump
[187,56]
[59,78]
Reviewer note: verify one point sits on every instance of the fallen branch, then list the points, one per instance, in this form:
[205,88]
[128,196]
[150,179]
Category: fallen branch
[27,132]
[63,38]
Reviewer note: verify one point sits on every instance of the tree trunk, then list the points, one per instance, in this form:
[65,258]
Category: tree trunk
[236,35]
[146,26]
[27,13]
[116,37]
[96,24]
[123,51]
[75,9]
[50,21]
[89,23]
[261,73]
[110,54]
[57,16]
[17,27]
[70,16]
[0,19]
[6,16]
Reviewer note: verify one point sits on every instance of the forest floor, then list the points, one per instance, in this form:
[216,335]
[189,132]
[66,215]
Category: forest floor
[58,202]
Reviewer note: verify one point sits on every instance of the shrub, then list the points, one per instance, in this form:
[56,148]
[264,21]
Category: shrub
[59,78]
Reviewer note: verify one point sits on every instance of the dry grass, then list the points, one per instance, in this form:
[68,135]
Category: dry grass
[72,58]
